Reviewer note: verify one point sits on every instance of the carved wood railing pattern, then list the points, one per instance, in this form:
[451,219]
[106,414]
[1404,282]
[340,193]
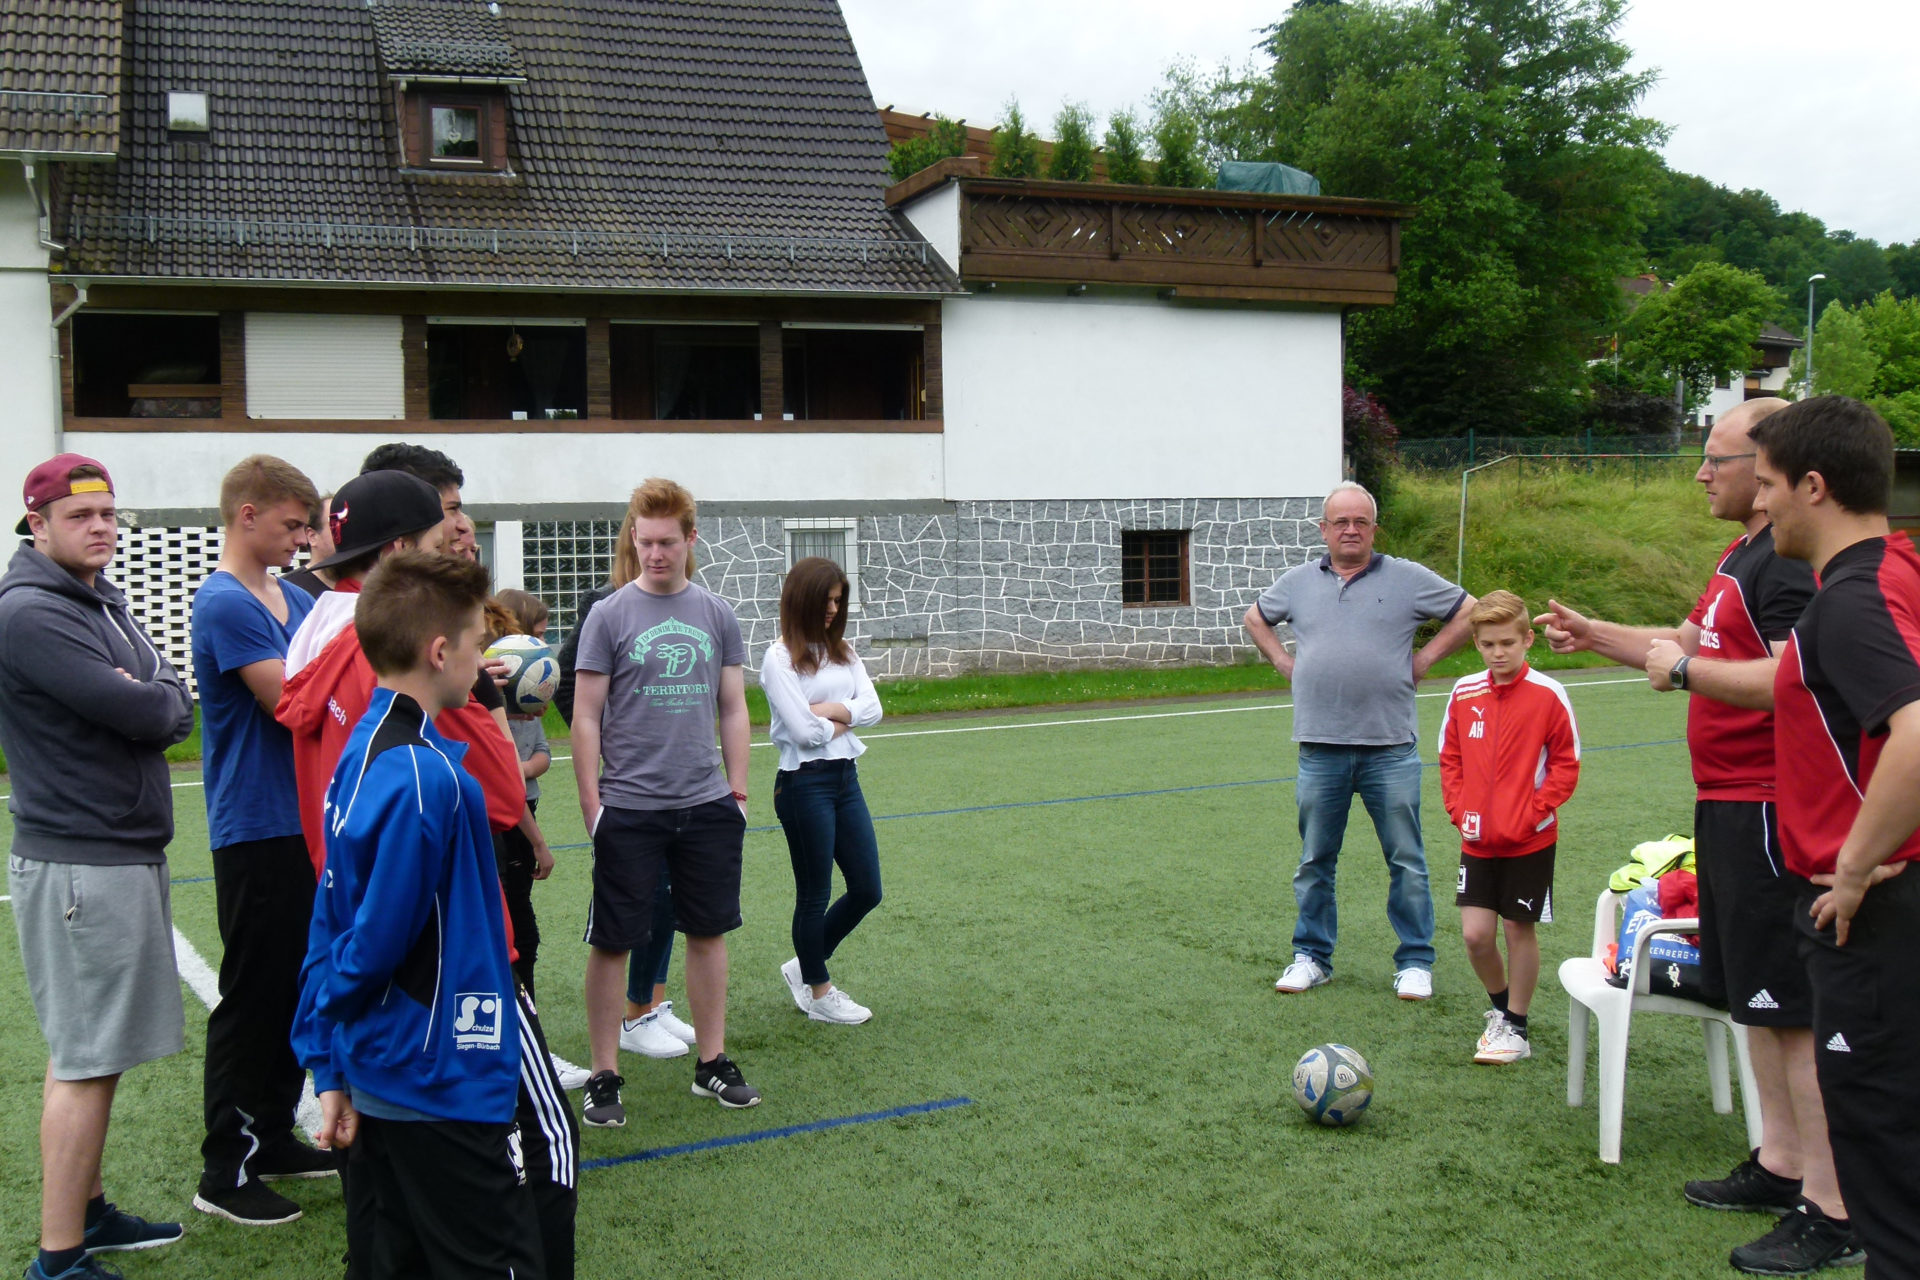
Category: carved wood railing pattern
[1142,241]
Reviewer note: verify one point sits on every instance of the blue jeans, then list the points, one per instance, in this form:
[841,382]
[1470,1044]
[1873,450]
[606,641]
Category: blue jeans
[827,824]
[647,966]
[1387,780]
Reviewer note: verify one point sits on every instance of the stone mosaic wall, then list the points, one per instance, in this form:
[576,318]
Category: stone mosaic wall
[1026,585]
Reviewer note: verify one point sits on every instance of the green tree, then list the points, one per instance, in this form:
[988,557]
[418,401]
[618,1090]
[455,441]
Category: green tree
[1893,332]
[1072,144]
[1015,152]
[945,138]
[1844,362]
[1700,330]
[1176,140]
[1125,161]
[1512,126]
[1903,261]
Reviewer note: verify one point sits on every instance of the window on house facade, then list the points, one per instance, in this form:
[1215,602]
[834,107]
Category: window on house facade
[146,366]
[832,538]
[1153,569]
[521,370]
[868,374]
[686,372]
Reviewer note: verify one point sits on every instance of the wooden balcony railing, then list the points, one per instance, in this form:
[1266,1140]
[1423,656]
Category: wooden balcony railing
[1312,249]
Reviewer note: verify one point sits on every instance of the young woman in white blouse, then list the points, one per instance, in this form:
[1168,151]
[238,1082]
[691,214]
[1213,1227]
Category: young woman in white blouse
[819,693]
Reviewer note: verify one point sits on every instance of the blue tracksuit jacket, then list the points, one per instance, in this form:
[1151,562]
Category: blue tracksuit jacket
[406,992]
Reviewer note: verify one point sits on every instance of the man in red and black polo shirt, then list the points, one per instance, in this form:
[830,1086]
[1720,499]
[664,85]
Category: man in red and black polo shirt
[1847,728]
[1724,653]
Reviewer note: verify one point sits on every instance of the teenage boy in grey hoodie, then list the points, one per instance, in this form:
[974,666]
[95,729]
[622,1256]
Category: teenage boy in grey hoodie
[88,708]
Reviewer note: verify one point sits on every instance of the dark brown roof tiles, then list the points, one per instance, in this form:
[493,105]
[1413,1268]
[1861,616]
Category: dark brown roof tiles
[656,144]
[59,76]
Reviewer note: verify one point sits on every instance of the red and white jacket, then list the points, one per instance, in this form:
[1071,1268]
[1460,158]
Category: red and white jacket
[1509,757]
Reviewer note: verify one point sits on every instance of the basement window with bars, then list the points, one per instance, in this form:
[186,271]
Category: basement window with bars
[833,539]
[1153,569]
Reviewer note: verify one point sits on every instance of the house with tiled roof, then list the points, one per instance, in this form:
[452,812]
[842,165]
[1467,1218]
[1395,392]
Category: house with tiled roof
[574,244]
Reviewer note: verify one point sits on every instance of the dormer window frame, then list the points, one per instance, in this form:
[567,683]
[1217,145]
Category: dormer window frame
[489,101]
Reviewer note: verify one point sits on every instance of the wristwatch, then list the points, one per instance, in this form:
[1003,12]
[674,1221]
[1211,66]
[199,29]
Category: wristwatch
[1679,673]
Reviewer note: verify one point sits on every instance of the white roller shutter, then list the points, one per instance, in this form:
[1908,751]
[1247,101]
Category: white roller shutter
[302,366]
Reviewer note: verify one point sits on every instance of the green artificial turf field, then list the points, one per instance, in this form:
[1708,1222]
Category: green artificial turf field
[1085,912]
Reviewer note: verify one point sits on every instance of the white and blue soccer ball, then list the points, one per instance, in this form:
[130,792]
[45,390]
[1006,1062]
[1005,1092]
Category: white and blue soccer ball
[1333,1084]
[532,673]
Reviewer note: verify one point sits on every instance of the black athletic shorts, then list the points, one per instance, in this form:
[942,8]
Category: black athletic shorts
[698,848]
[1748,953]
[1517,888]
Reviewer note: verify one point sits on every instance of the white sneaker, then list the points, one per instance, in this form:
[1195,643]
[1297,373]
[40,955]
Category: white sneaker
[571,1077]
[1303,973]
[1494,1021]
[802,994]
[644,1034]
[671,1025]
[837,1006]
[1413,984]
[1502,1044]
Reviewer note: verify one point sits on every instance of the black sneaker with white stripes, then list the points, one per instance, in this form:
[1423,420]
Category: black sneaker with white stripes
[603,1109]
[721,1080]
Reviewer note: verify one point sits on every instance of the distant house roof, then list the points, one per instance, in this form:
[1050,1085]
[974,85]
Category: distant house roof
[656,144]
[1772,335]
[433,38]
[59,77]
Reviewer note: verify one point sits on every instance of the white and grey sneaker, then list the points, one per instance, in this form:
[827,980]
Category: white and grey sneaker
[721,1080]
[1502,1044]
[1494,1019]
[1413,984]
[838,1006]
[644,1034]
[1303,973]
[802,994]
[671,1025]
[571,1077]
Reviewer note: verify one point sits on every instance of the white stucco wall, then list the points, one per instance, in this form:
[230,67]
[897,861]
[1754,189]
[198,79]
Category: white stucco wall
[1099,397]
[936,216]
[29,375]
[183,470]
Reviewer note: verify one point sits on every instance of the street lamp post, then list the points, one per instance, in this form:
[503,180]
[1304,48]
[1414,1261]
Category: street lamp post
[1818,275]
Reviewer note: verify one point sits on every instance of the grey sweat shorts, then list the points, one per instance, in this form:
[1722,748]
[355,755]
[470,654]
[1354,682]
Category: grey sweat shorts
[97,945]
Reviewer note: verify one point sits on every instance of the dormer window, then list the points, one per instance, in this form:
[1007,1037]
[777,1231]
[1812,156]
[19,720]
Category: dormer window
[186,111]
[455,132]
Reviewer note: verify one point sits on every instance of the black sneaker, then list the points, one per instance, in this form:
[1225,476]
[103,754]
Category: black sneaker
[603,1109]
[1750,1188]
[1802,1243]
[119,1231]
[294,1159]
[722,1080]
[251,1204]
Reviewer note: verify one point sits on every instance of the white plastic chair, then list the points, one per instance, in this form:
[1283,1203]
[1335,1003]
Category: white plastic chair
[1585,979]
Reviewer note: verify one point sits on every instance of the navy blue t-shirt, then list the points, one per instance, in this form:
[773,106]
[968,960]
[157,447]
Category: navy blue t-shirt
[248,754]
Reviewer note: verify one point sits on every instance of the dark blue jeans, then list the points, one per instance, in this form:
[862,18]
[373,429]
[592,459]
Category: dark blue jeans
[647,966]
[827,824]
[1387,780]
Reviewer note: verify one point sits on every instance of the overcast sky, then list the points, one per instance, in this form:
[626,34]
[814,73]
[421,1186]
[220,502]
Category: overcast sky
[1819,105]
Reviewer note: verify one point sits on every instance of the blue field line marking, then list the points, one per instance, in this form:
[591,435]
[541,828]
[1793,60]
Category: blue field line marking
[1135,795]
[767,1135]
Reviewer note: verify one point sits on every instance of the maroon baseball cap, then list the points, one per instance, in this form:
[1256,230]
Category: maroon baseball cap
[53,480]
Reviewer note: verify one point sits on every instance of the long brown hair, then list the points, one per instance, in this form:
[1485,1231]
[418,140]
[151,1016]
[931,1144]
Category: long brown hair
[653,500]
[804,628]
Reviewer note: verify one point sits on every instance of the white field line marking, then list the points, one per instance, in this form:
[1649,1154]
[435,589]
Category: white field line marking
[1145,715]
[200,977]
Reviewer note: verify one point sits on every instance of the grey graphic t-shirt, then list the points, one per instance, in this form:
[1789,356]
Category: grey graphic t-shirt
[662,657]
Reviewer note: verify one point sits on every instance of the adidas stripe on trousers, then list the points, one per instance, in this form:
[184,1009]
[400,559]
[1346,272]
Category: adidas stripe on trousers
[1866,1040]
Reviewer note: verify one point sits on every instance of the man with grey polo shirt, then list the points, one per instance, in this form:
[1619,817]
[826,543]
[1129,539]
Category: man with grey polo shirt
[1354,613]
[88,708]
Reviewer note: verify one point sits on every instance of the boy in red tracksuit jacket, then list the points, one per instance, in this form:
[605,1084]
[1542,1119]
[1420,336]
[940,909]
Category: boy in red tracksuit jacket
[1509,758]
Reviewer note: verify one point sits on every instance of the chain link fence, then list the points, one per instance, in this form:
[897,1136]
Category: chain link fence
[1456,453]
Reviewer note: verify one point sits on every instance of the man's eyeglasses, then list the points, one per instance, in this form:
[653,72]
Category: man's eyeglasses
[1354,522]
[1716,460]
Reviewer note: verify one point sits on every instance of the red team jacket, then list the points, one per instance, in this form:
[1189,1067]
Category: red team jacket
[1509,757]
[323,700]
